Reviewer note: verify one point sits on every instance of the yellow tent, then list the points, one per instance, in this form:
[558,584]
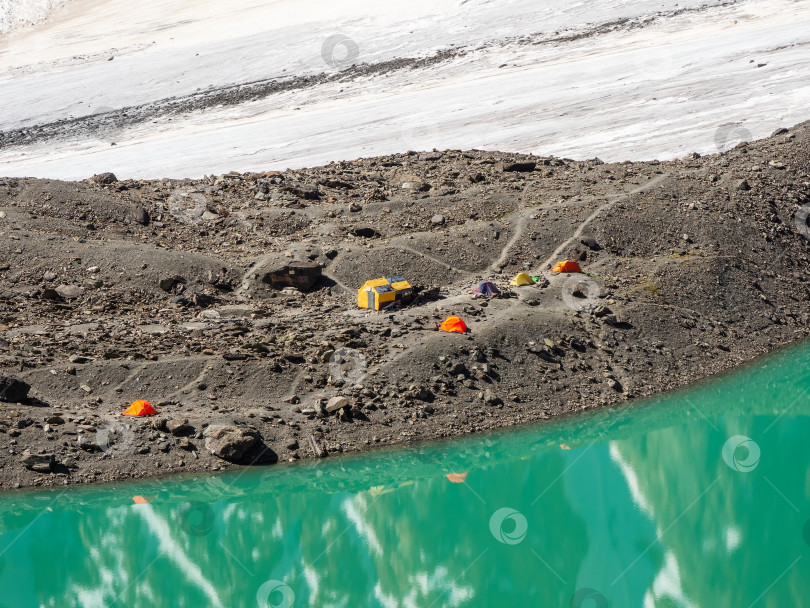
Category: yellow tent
[379,293]
[521,279]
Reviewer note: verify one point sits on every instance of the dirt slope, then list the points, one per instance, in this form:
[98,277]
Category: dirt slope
[111,292]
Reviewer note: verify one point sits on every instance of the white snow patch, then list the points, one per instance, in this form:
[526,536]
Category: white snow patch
[16,14]
[661,91]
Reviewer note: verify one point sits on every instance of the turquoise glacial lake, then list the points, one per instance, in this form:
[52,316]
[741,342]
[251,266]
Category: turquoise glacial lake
[700,498]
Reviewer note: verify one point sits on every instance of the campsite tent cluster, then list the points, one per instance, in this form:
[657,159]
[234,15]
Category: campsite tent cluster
[382,293]
[379,294]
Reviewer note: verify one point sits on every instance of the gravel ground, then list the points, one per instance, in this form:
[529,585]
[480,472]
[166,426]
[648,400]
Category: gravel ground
[113,291]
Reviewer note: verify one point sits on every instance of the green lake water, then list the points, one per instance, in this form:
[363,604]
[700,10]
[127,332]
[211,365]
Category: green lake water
[699,498]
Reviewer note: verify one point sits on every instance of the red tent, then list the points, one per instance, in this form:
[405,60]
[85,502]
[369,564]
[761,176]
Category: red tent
[567,266]
[140,408]
[454,324]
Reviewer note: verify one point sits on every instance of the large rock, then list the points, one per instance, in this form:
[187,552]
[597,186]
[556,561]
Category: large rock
[139,214]
[230,443]
[70,292]
[302,275]
[336,403]
[519,167]
[13,390]
[104,178]
[490,398]
[41,463]
[590,243]
[179,427]
[422,393]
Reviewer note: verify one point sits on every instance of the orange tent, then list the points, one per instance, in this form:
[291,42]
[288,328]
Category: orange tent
[140,408]
[567,266]
[454,324]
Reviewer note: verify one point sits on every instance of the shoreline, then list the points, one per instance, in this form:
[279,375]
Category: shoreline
[623,411]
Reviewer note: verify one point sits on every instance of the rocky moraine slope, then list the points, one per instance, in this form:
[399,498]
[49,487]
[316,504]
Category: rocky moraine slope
[113,291]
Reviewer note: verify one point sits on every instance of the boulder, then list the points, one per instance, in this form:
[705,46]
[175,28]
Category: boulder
[13,390]
[578,254]
[229,442]
[138,214]
[591,243]
[302,275]
[422,393]
[519,167]
[104,178]
[50,294]
[365,233]
[41,463]
[179,427]
[70,292]
[490,398]
[336,403]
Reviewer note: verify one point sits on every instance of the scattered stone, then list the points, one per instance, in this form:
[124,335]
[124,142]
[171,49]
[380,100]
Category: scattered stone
[438,220]
[184,443]
[578,254]
[542,351]
[422,393]
[743,185]
[316,447]
[167,284]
